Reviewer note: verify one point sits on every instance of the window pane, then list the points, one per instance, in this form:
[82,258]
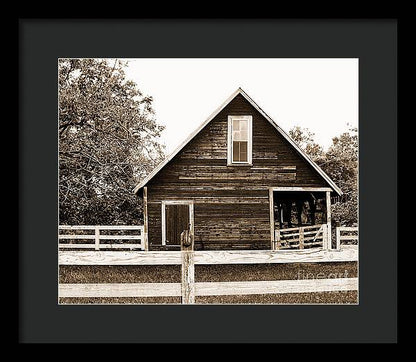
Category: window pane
[240,130]
[243,152]
[243,156]
[243,147]
[236,151]
[236,126]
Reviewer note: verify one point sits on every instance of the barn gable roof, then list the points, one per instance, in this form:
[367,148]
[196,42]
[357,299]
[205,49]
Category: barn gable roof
[212,116]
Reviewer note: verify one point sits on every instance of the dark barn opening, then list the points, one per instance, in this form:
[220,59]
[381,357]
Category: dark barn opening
[296,209]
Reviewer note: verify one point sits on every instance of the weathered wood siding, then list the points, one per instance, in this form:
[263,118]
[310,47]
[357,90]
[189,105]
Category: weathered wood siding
[231,205]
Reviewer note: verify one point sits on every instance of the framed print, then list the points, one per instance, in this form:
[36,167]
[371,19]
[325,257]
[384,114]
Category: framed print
[218,184]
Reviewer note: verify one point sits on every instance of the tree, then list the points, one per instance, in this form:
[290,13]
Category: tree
[305,140]
[108,141]
[340,163]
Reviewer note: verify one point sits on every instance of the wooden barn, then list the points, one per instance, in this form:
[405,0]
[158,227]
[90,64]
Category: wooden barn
[238,182]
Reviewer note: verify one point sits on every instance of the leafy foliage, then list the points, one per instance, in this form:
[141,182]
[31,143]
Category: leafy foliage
[340,163]
[108,141]
[305,139]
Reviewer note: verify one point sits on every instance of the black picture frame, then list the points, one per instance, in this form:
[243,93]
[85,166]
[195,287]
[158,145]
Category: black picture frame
[43,41]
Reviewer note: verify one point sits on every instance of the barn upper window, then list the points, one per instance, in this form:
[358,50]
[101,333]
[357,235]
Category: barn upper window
[239,139]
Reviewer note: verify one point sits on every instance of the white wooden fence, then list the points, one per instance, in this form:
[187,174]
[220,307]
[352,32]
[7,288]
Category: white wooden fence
[75,240]
[188,288]
[344,234]
[302,237]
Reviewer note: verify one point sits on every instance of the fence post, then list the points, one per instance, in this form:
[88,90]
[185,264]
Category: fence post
[338,238]
[97,237]
[301,238]
[329,237]
[325,236]
[188,268]
[277,239]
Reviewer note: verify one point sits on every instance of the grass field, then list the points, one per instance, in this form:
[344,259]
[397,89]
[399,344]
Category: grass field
[214,273]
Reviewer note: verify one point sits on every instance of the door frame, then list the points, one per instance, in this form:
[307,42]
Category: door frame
[190,203]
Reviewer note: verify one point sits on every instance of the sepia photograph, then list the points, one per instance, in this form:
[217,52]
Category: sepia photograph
[208,181]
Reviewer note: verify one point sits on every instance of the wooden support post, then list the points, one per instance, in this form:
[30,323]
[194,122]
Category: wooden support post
[301,236]
[188,268]
[191,222]
[328,218]
[97,237]
[272,226]
[145,220]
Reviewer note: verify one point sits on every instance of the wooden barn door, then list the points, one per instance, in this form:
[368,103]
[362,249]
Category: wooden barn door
[177,218]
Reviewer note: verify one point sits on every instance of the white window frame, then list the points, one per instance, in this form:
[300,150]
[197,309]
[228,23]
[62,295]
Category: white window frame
[230,161]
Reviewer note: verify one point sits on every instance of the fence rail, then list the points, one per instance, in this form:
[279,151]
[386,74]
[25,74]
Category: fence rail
[340,230]
[207,288]
[97,236]
[69,257]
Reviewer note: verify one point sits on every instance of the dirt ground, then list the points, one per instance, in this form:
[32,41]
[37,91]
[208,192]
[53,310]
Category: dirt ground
[214,273]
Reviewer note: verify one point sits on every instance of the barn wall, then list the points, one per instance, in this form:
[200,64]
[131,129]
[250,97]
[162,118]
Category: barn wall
[231,204]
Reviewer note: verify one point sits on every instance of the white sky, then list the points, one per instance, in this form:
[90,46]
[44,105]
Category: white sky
[319,94]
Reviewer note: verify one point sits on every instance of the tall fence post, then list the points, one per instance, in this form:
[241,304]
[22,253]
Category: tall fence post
[188,268]
[97,237]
